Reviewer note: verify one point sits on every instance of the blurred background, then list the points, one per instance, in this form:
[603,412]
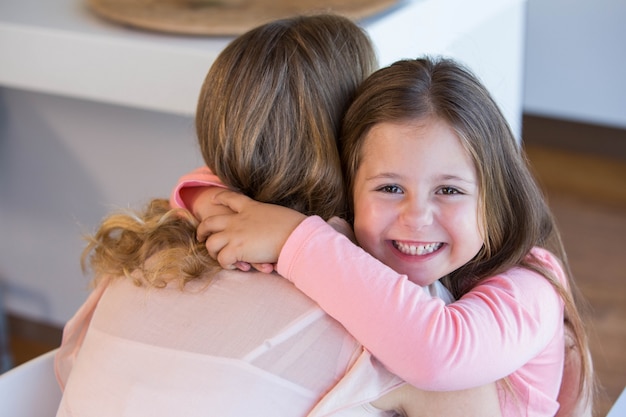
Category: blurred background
[95,115]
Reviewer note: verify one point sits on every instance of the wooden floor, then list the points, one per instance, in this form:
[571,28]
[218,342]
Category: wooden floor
[586,188]
[29,339]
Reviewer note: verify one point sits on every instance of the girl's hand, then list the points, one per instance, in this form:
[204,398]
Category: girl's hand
[254,233]
[201,203]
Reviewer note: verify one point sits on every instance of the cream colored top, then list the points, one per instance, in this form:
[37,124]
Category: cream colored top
[241,344]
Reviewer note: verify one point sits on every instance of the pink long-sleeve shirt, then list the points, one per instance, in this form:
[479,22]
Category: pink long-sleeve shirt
[511,325]
[200,177]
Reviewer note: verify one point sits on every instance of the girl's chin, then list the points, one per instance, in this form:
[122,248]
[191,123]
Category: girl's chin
[421,279]
[420,276]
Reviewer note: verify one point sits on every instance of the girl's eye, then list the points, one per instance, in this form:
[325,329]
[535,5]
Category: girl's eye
[391,189]
[449,191]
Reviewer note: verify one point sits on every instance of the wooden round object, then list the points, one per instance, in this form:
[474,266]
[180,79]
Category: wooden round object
[225,17]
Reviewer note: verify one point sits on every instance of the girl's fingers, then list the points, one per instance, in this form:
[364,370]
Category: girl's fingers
[266,268]
[221,248]
[210,225]
[232,199]
[226,258]
[214,245]
[244,266]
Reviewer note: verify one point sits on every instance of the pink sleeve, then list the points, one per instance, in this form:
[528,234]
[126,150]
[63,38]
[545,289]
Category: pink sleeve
[200,177]
[484,336]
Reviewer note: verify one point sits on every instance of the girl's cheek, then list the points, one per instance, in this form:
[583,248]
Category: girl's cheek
[364,223]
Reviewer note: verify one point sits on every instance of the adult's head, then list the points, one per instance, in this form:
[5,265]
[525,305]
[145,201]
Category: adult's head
[268,119]
[270,110]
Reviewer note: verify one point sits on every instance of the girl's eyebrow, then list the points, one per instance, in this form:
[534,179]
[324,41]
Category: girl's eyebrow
[449,177]
[441,178]
[383,176]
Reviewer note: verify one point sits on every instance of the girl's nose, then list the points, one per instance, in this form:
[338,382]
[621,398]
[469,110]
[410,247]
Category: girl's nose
[417,213]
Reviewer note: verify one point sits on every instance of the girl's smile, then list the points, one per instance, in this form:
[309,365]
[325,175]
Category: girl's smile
[416,199]
[416,249]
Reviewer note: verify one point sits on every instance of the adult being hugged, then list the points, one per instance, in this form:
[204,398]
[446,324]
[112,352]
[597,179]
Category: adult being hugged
[166,331]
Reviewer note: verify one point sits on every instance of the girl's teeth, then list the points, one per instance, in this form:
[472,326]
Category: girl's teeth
[417,249]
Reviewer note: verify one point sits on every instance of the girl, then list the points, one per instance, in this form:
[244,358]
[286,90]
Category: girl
[440,190]
[166,332]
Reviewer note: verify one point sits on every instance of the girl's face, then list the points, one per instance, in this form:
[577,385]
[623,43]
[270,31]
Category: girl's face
[416,199]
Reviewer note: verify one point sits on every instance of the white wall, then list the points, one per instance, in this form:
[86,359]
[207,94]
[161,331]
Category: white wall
[485,35]
[64,164]
[576,60]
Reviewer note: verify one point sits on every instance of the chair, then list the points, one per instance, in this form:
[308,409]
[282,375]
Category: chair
[31,389]
[619,408]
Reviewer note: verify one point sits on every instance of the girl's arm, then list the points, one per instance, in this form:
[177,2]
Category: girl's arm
[486,335]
